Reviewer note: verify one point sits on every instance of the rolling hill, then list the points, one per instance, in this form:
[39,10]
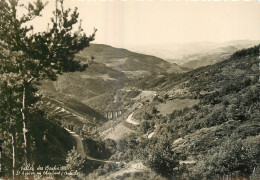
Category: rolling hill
[217,55]
[127,61]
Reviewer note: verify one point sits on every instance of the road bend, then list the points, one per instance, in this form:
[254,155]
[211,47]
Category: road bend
[80,149]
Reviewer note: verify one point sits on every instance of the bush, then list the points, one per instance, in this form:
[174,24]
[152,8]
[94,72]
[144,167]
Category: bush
[74,160]
[160,157]
[234,157]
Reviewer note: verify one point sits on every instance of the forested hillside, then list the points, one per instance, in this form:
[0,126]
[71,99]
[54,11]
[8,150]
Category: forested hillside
[219,135]
[203,123]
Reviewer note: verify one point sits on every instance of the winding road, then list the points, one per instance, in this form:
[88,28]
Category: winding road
[80,149]
[130,120]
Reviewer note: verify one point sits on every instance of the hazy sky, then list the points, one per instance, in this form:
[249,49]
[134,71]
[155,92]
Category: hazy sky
[128,23]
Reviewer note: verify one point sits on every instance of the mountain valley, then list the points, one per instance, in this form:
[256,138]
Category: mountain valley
[172,124]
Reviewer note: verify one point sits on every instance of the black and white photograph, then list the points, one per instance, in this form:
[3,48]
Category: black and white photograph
[129,89]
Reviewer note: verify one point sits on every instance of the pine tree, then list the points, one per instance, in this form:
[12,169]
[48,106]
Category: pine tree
[27,57]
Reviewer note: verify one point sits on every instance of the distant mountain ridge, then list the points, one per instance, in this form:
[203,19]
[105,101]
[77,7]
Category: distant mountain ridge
[196,54]
[203,59]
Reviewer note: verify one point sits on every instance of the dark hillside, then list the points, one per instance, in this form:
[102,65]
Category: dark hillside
[50,146]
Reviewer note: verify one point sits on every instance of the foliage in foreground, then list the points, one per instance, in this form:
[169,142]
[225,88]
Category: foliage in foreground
[26,58]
